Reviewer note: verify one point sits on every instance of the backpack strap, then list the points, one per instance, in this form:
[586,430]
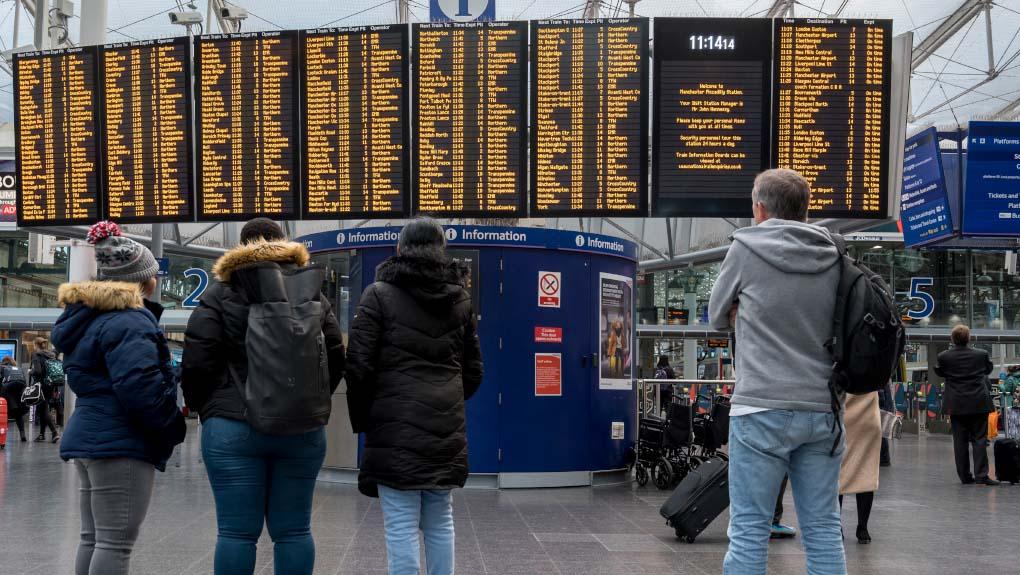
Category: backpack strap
[840,242]
[837,324]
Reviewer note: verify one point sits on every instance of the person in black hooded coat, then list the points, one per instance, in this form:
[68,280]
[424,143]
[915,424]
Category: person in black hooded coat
[413,360]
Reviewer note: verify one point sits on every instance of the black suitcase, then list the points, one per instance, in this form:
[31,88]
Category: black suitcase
[1007,460]
[698,500]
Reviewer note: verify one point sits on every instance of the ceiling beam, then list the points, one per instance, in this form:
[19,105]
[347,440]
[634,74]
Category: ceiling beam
[955,22]
[780,8]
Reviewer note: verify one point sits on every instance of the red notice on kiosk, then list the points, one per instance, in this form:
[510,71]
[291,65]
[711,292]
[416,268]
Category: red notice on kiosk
[549,286]
[548,334]
[548,375]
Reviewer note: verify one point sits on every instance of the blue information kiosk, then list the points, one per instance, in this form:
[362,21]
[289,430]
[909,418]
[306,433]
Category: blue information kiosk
[557,405]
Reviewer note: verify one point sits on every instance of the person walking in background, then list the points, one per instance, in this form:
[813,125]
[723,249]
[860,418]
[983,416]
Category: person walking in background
[259,478]
[12,380]
[968,401]
[41,358]
[126,422]
[664,371]
[777,288]
[887,412]
[858,474]
[414,359]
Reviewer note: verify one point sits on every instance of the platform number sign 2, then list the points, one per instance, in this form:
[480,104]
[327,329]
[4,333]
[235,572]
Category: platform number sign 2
[192,300]
[915,293]
[462,10]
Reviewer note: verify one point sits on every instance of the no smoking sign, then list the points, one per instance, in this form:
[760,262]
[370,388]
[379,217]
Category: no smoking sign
[550,285]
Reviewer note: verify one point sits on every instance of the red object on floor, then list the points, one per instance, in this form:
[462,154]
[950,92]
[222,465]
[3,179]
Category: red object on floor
[3,422]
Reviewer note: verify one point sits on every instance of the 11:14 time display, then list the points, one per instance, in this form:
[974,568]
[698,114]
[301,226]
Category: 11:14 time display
[713,42]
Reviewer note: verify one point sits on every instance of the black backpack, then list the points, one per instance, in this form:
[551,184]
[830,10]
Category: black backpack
[867,332]
[286,390]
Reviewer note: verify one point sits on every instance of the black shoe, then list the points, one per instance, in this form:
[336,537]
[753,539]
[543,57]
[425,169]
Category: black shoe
[23,438]
[41,438]
[55,439]
[863,537]
[968,482]
[987,481]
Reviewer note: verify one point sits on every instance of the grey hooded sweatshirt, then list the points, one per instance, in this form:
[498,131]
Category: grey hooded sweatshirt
[783,275]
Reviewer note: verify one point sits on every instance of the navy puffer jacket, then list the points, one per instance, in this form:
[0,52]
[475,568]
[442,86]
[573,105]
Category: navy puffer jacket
[118,364]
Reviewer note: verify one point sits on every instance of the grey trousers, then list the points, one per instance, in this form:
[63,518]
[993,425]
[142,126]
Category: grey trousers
[115,495]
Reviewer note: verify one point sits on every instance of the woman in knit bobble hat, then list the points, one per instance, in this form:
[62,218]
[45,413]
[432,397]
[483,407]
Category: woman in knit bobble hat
[126,421]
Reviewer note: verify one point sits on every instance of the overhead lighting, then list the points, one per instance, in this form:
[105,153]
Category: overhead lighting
[876,247]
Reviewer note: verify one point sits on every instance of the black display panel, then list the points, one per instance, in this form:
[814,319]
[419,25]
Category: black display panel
[589,117]
[711,104]
[248,143]
[831,82]
[56,109]
[470,107]
[147,149]
[356,141]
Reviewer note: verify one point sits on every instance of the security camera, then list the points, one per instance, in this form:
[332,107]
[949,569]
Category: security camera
[185,18]
[233,13]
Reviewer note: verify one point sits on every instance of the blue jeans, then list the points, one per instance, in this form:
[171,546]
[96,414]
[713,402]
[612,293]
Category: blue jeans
[262,479]
[764,447]
[404,513]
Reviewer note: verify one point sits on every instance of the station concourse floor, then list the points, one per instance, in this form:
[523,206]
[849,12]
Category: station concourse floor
[924,522]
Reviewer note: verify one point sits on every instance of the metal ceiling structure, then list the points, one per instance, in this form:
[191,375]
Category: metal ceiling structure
[966,64]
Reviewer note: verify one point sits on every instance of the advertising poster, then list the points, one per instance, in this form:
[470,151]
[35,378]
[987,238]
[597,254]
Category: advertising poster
[8,197]
[616,332]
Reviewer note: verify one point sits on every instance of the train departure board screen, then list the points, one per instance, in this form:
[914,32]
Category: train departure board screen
[56,108]
[710,120]
[147,131]
[831,111]
[589,117]
[248,145]
[470,104]
[356,142]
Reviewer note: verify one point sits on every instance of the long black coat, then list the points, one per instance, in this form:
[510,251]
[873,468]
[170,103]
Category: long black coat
[214,340]
[413,360]
[966,372]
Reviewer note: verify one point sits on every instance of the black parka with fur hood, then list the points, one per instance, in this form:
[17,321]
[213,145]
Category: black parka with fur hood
[216,332]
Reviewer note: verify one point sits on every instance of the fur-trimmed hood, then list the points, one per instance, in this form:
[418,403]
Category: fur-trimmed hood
[101,296]
[280,252]
[428,281]
[86,301]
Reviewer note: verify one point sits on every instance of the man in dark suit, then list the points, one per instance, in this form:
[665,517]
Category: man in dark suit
[968,402]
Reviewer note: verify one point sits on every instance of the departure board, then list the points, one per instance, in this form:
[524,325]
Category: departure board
[248,145]
[470,105]
[710,114]
[831,111]
[356,143]
[589,117]
[56,108]
[147,131]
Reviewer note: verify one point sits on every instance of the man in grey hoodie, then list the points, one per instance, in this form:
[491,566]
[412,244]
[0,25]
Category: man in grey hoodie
[777,288]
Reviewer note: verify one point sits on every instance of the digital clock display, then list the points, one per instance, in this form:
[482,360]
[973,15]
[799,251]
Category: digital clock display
[699,42]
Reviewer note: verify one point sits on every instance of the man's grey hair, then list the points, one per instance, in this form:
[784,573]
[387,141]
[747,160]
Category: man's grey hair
[784,193]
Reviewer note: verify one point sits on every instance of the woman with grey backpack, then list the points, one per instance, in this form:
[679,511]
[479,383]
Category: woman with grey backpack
[263,355]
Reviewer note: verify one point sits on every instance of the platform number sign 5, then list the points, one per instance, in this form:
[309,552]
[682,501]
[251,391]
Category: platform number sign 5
[192,300]
[915,293]
[462,10]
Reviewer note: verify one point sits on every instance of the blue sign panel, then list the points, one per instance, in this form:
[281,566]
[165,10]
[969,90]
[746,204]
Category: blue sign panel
[991,198]
[164,267]
[462,10]
[478,236]
[924,203]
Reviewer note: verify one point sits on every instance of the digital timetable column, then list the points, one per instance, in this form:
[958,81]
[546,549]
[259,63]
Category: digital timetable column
[56,109]
[147,131]
[470,105]
[248,147]
[589,117]
[831,111]
[356,142]
[710,117]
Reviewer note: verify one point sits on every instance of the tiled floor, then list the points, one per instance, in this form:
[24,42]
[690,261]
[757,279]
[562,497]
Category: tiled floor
[924,523]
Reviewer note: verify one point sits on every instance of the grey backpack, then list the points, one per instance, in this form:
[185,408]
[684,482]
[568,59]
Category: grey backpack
[286,390]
